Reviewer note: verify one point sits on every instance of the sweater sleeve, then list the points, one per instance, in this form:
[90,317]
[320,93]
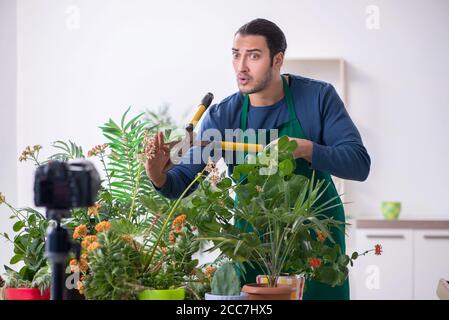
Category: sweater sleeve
[342,153]
[182,174]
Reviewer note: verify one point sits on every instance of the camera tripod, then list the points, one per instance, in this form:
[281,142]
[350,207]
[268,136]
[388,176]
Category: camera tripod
[57,251]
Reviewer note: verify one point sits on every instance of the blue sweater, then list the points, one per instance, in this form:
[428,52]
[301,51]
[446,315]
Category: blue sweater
[337,146]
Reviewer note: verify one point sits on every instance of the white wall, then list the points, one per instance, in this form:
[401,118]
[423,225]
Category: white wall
[8,128]
[75,73]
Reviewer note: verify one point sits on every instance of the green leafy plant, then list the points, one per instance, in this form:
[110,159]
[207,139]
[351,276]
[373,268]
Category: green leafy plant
[41,279]
[282,227]
[28,242]
[126,195]
[157,257]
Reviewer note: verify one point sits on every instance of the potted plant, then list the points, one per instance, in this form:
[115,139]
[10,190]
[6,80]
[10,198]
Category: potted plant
[225,284]
[33,280]
[126,195]
[16,288]
[148,246]
[285,230]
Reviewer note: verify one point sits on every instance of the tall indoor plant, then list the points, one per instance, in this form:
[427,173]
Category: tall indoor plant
[285,231]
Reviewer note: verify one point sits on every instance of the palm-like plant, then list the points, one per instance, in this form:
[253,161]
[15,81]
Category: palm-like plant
[279,216]
[127,182]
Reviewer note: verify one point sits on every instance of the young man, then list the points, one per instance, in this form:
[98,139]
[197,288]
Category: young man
[308,111]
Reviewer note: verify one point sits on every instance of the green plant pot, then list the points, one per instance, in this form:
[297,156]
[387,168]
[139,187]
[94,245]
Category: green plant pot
[391,210]
[169,294]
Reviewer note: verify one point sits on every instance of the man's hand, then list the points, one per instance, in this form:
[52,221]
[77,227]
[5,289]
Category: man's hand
[156,166]
[304,149]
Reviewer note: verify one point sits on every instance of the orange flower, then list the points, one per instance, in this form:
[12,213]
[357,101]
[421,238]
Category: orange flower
[321,236]
[80,231]
[93,246]
[127,238]
[164,250]
[78,266]
[103,226]
[93,211]
[377,249]
[209,272]
[87,241]
[178,223]
[314,262]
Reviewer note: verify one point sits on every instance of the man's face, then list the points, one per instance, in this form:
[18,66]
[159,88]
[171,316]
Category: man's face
[252,63]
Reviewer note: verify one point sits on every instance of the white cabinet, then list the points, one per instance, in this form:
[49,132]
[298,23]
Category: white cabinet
[411,264]
[388,276]
[431,261]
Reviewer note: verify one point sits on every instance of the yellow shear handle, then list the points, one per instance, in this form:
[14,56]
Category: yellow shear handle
[238,146]
[198,114]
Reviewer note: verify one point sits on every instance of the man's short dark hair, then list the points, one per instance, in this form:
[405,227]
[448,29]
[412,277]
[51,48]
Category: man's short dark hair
[273,34]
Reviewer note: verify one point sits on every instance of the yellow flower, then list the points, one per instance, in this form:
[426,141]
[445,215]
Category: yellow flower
[88,240]
[30,152]
[93,246]
[103,226]
[98,149]
[2,198]
[80,231]
[93,211]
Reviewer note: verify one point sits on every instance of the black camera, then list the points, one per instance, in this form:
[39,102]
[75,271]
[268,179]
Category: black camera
[60,186]
[65,185]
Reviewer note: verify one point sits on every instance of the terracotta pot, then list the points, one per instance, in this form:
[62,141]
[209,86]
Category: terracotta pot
[259,291]
[26,294]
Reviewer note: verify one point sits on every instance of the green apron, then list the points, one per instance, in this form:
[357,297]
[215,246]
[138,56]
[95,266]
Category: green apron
[292,128]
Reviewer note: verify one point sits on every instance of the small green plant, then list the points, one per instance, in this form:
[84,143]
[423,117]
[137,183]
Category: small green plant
[30,229]
[225,281]
[41,279]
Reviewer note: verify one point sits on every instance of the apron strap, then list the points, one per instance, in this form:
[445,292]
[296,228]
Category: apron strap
[287,96]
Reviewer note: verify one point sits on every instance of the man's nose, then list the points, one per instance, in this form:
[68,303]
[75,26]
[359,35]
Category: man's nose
[242,65]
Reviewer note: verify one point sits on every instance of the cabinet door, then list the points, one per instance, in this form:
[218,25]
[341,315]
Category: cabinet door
[388,276]
[431,261]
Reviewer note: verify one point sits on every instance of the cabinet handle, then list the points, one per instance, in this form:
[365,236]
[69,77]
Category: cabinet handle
[385,236]
[436,237]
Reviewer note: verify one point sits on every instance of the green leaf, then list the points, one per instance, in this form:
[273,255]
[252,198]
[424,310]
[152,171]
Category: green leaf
[224,184]
[32,219]
[286,167]
[292,146]
[343,260]
[18,226]
[283,143]
[15,259]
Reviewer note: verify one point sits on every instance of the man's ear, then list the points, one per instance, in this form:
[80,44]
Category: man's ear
[278,59]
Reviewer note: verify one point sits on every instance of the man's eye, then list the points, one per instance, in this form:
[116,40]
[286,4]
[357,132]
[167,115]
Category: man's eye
[254,56]
[235,55]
